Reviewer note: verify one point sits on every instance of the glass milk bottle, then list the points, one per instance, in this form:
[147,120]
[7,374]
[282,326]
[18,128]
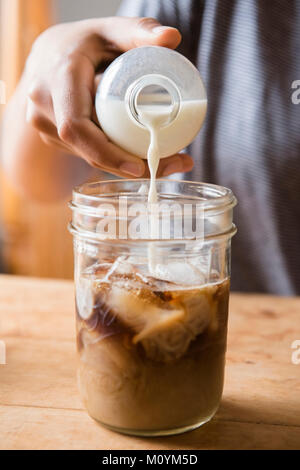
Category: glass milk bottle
[153,80]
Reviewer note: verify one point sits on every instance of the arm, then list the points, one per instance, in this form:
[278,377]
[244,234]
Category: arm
[50,121]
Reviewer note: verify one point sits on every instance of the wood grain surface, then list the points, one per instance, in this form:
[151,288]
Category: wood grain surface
[40,407]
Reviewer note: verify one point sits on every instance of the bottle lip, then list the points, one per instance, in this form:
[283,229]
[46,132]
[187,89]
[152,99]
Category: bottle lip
[90,199]
[144,81]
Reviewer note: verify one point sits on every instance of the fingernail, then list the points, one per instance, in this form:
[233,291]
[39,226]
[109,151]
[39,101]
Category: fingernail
[172,168]
[160,29]
[134,169]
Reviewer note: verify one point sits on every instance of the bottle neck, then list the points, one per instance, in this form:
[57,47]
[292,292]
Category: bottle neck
[155,92]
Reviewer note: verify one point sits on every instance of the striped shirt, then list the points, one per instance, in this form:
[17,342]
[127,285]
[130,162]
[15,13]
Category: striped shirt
[248,53]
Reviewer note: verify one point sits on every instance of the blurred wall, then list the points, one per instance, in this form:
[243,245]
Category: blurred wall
[71,10]
[28,243]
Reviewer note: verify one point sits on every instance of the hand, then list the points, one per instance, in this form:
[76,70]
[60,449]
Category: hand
[60,75]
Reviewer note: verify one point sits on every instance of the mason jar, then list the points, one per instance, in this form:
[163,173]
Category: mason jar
[151,305]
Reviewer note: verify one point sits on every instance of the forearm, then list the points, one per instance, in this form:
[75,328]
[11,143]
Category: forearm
[39,171]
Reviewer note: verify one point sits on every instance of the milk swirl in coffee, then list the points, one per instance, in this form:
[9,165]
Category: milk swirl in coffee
[151,353]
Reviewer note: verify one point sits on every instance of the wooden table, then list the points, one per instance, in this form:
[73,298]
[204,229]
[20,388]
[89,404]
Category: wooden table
[40,407]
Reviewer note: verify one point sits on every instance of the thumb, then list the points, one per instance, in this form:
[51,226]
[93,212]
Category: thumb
[127,33]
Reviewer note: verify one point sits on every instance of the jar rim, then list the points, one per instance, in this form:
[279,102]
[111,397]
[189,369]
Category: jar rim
[223,197]
[91,238]
[90,202]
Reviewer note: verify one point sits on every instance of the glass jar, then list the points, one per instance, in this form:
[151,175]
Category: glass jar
[151,336]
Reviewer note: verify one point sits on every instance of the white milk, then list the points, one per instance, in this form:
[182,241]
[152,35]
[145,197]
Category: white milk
[125,132]
[154,118]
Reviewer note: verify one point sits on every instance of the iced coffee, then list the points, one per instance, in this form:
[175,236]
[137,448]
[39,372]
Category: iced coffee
[151,352]
[151,311]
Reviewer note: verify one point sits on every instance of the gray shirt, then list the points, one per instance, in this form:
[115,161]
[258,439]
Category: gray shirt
[248,53]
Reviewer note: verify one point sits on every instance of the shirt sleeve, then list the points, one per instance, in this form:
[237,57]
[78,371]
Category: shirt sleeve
[158,9]
[185,15]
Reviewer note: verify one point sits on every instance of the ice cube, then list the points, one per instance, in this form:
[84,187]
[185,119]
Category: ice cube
[140,310]
[143,189]
[120,267]
[85,297]
[165,328]
[179,272]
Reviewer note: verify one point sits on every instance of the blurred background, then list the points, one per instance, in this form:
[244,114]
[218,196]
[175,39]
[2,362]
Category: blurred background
[34,240]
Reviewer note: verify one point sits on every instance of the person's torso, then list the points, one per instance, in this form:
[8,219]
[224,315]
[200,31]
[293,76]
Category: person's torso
[248,55]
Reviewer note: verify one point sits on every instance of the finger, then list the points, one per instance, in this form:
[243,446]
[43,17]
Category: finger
[127,33]
[97,81]
[36,117]
[46,129]
[53,142]
[39,97]
[95,117]
[179,163]
[72,96]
